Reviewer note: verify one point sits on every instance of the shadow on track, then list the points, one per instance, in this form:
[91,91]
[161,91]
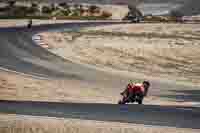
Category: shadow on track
[182,117]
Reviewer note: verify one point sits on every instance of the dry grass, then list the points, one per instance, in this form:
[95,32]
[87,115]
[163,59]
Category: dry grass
[30,124]
[18,87]
[160,50]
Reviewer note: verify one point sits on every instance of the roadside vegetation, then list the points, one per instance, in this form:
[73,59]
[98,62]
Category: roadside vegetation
[31,124]
[35,10]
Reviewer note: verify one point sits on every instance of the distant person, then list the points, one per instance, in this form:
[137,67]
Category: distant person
[30,23]
[135,92]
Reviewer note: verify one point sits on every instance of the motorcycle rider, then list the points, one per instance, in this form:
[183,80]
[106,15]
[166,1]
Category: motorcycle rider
[133,90]
[30,23]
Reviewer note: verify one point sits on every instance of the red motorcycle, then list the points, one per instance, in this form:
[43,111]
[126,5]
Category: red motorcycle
[136,97]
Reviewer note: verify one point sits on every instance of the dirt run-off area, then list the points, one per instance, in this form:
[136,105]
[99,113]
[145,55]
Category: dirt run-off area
[164,51]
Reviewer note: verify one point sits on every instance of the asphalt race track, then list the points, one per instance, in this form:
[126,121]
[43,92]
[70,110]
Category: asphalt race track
[182,117]
[19,53]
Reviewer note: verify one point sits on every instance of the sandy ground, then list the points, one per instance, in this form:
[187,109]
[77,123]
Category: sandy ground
[31,124]
[168,51]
